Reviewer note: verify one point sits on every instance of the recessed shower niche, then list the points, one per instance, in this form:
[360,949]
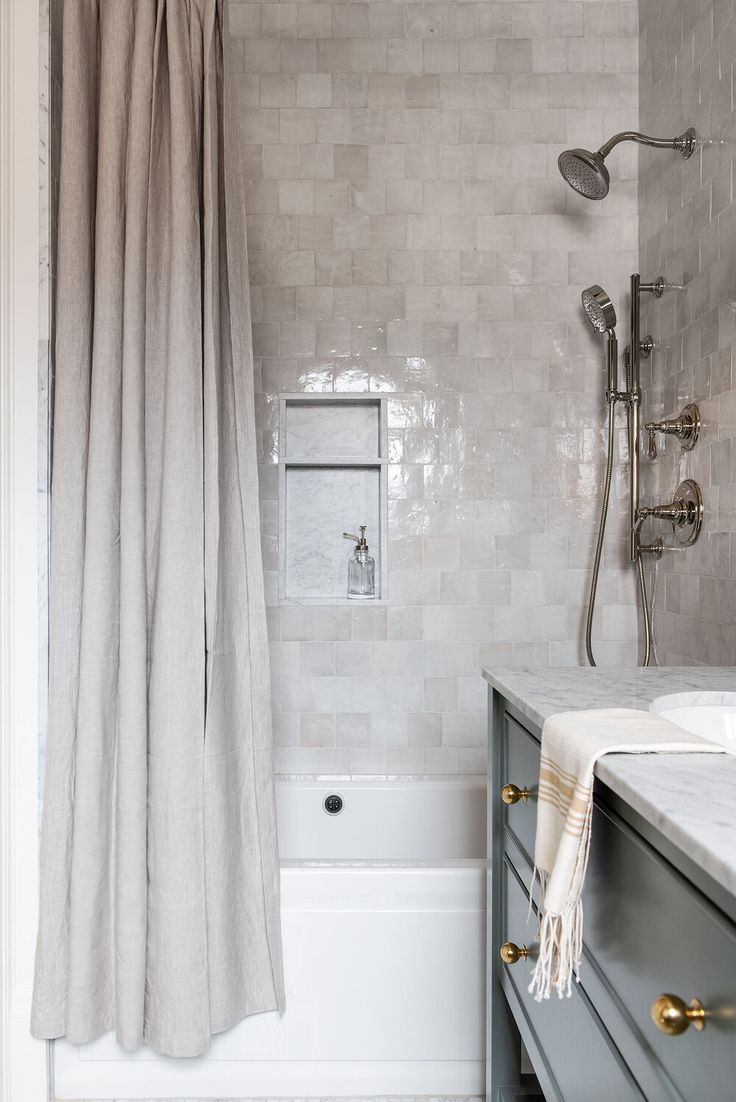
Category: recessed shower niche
[332,478]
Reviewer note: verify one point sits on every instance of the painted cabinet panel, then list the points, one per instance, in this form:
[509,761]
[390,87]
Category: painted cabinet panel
[521,758]
[574,1057]
[651,933]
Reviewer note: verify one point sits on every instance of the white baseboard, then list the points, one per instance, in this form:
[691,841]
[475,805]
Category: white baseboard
[148,1079]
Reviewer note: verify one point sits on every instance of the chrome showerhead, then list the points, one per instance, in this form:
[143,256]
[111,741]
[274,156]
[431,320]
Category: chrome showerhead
[599,308]
[585,172]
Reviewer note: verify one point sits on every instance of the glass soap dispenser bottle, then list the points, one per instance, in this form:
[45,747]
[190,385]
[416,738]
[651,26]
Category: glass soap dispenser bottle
[361,569]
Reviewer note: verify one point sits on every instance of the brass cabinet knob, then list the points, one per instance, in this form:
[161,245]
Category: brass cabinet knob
[672,1015]
[510,953]
[510,794]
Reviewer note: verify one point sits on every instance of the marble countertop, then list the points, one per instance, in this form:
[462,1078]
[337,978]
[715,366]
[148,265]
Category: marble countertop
[667,790]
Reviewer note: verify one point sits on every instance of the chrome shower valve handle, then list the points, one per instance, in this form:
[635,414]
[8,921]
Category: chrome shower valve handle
[686,428]
[684,512]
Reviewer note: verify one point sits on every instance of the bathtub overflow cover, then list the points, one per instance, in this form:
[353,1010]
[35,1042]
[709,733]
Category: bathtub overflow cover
[332,804]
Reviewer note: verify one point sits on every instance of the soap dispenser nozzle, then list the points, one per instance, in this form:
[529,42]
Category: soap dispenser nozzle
[361,543]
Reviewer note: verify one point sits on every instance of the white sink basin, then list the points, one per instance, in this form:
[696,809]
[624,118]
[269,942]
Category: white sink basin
[710,715]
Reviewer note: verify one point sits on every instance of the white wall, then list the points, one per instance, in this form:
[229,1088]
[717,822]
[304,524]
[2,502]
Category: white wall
[22,1060]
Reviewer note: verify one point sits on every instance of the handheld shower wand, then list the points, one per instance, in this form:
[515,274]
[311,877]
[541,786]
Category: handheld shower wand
[602,316]
[587,174]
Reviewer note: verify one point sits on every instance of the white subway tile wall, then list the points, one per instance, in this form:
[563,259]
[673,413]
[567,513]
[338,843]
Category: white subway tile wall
[688,233]
[410,235]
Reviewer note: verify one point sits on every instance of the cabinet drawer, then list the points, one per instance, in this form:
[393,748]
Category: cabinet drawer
[649,932]
[572,1053]
[520,757]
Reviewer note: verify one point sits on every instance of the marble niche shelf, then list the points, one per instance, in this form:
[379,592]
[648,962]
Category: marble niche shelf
[333,477]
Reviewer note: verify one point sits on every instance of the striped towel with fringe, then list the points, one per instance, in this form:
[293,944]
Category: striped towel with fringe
[572,742]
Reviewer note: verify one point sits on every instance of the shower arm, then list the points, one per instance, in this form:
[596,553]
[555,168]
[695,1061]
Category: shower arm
[685,143]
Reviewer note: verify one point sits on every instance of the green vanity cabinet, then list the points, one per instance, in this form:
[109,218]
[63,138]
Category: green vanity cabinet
[649,932]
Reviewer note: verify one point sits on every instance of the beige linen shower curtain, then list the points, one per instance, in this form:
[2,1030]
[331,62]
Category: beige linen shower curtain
[159,879]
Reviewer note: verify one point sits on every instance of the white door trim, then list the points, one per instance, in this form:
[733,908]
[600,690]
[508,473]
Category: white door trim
[23,1061]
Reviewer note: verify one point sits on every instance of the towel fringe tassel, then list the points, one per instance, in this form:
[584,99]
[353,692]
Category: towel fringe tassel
[560,953]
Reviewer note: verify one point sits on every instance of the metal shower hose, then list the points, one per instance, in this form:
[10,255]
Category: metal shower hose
[599,553]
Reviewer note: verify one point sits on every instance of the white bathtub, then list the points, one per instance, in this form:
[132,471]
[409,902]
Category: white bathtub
[383,923]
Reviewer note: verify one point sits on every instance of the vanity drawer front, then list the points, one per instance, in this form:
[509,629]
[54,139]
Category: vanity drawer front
[650,933]
[572,1053]
[521,767]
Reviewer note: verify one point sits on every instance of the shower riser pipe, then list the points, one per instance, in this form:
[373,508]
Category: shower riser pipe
[633,384]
